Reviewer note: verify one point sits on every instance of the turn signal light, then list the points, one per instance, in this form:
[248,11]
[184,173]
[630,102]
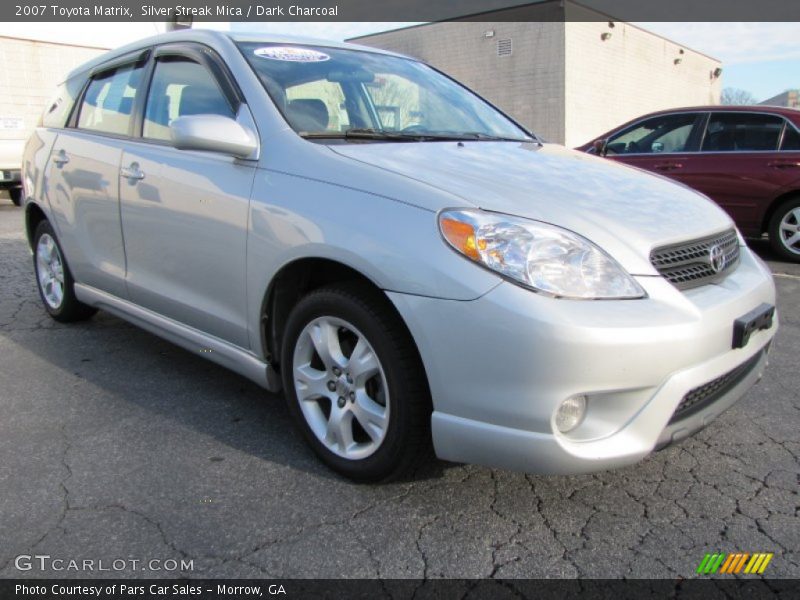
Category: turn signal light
[462,237]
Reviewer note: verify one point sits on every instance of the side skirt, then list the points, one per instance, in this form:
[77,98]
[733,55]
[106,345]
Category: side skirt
[210,347]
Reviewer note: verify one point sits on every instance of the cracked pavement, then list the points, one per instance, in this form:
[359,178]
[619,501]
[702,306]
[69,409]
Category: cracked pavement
[117,444]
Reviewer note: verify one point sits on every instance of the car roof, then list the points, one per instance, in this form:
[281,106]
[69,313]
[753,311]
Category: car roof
[211,37]
[755,108]
[792,114]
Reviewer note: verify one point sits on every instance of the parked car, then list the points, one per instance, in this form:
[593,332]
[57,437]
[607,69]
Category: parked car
[10,153]
[745,158]
[444,277]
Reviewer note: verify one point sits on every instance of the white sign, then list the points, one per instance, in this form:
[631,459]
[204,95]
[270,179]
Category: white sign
[12,123]
[291,54]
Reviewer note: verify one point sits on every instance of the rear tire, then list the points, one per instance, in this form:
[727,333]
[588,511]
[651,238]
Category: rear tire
[54,280]
[16,196]
[355,384]
[784,230]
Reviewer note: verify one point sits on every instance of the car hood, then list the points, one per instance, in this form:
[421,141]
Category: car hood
[626,211]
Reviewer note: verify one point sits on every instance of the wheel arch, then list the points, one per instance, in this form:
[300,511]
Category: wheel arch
[34,214]
[291,282]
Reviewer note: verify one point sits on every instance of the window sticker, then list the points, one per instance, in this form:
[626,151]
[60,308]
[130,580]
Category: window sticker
[291,54]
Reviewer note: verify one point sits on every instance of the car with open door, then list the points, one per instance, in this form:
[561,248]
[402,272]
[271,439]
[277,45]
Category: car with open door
[10,157]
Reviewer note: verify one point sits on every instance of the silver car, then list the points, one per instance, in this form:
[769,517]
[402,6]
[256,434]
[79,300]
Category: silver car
[409,265]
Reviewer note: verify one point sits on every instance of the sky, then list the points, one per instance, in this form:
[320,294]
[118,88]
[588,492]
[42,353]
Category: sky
[762,58]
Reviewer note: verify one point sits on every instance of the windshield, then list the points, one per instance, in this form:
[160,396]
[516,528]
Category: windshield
[334,93]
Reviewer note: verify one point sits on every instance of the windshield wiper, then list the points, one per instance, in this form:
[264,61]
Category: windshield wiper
[486,137]
[361,134]
[382,134]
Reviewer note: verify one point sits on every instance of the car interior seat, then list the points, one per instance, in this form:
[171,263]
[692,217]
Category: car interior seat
[307,114]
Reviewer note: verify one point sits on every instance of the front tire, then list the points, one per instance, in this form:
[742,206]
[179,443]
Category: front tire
[355,384]
[54,280]
[784,230]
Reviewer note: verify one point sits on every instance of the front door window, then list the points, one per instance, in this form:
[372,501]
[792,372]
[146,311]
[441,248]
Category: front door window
[664,134]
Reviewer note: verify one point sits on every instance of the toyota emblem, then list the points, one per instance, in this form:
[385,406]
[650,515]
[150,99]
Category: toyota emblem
[717,258]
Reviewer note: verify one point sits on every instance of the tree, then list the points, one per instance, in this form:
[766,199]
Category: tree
[737,96]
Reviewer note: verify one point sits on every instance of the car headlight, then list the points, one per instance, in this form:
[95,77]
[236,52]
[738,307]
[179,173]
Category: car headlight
[539,256]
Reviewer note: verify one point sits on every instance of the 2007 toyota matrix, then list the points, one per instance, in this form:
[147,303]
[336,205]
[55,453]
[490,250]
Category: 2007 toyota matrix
[405,261]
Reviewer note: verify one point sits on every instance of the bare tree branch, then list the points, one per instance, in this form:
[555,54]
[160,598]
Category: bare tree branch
[737,96]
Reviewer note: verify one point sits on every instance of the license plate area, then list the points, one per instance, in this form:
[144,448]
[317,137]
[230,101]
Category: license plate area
[757,319]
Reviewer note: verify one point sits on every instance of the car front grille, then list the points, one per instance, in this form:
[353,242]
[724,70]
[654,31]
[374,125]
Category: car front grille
[704,395]
[698,262]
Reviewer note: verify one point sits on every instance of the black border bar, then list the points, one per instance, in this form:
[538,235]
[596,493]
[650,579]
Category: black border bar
[396,589]
[399,10]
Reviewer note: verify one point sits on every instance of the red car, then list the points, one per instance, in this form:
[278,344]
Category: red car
[746,158]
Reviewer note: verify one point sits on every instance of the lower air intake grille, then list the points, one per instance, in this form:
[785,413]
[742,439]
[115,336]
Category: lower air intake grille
[702,396]
[698,262]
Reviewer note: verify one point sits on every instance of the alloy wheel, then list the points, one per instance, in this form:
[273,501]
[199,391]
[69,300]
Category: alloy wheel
[50,271]
[790,231]
[341,387]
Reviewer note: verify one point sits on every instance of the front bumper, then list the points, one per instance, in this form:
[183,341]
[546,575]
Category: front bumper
[499,367]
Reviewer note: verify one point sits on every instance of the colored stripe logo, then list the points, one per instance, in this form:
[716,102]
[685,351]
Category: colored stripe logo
[734,563]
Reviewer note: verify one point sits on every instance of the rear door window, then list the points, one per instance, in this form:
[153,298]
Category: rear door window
[742,132]
[107,105]
[791,138]
[58,108]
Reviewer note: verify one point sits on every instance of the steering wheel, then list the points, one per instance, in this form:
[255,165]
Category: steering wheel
[417,128]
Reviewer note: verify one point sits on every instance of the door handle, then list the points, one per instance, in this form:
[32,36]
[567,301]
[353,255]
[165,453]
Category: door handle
[669,166]
[784,164]
[132,172]
[61,158]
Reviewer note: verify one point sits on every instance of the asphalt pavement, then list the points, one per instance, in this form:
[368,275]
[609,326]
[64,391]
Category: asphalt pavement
[117,445]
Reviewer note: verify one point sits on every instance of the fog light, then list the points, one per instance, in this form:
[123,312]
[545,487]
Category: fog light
[570,413]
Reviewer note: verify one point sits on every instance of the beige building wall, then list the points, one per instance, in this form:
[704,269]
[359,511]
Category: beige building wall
[29,73]
[631,73]
[528,84]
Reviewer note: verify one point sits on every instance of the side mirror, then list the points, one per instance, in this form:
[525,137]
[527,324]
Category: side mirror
[600,146]
[657,147]
[212,133]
